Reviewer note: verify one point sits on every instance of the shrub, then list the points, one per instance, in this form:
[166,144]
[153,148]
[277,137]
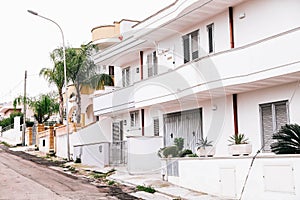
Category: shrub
[179,142]
[29,124]
[111,182]
[170,151]
[145,189]
[77,160]
[287,140]
[185,152]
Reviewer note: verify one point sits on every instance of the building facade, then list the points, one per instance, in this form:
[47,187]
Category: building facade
[204,69]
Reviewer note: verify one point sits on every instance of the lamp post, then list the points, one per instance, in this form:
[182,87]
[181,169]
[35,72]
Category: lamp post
[65,76]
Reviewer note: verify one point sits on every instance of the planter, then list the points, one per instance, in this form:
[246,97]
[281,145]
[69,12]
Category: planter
[206,152]
[240,149]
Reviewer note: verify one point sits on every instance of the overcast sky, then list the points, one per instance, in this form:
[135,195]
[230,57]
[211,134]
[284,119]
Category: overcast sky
[27,40]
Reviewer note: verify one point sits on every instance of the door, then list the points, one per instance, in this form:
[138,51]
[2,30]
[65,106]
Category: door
[118,146]
[185,124]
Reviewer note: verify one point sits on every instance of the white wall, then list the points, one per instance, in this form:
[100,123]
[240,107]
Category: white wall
[44,149]
[96,155]
[264,18]
[272,177]
[248,108]
[142,154]
[87,141]
[12,137]
[61,146]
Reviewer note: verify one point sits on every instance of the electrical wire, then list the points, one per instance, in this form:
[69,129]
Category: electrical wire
[244,186]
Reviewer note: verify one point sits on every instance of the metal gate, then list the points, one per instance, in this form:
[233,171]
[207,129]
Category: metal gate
[118,147]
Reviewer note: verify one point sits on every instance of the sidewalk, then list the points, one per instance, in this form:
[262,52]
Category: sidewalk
[164,189]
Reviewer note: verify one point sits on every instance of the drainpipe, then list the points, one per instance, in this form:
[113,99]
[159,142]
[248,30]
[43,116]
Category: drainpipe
[143,121]
[230,9]
[235,114]
[234,96]
[141,64]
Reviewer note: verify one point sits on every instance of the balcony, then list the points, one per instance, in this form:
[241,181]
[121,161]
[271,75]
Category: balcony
[265,63]
[119,99]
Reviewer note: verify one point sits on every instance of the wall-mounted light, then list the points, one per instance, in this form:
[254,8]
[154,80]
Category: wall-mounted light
[214,107]
[137,70]
[242,15]
[125,122]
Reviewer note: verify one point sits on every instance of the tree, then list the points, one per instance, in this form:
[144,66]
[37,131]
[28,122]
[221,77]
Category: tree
[287,140]
[43,107]
[81,70]
[55,76]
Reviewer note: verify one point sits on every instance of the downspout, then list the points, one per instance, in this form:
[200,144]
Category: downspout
[234,96]
[143,121]
[141,64]
[231,31]
[235,114]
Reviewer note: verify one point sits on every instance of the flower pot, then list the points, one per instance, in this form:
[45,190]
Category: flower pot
[206,152]
[240,149]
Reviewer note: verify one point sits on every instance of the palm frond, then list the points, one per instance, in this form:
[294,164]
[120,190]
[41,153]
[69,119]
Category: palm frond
[287,140]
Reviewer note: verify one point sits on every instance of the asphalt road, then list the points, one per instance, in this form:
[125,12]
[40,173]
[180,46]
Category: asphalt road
[24,179]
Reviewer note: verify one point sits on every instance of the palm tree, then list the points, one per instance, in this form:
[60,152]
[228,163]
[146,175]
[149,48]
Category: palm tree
[43,107]
[55,76]
[81,71]
[287,140]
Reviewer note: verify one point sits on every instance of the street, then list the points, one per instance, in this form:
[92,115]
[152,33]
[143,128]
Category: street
[24,179]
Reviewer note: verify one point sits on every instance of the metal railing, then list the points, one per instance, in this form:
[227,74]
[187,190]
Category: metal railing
[118,153]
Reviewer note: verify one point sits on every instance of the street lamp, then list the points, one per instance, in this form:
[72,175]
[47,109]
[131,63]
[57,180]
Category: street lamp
[65,76]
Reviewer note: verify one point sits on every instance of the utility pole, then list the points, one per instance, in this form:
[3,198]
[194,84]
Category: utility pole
[24,111]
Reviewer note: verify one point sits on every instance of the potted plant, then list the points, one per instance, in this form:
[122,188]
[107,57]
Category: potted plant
[205,148]
[239,145]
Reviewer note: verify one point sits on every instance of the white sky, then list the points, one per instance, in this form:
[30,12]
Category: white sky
[27,40]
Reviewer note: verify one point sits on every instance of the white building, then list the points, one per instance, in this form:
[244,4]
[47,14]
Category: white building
[208,68]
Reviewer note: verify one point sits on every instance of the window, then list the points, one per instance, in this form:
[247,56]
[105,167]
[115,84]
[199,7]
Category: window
[152,64]
[44,143]
[273,116]
[156,126]
[111,70]
[126,76]
[191,46]
[134,119]
[210,32]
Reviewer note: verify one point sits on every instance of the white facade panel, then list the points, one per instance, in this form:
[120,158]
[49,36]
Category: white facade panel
[233,171]
[142,154]
[264,18]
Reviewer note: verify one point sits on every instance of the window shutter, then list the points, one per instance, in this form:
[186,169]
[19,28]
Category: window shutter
[281,115]
[156,126]
[195,51]
[116,131]
[186,49]
[210,31]
[127,76]
[123,77]
[154,63]
[149,64]
[267,126]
